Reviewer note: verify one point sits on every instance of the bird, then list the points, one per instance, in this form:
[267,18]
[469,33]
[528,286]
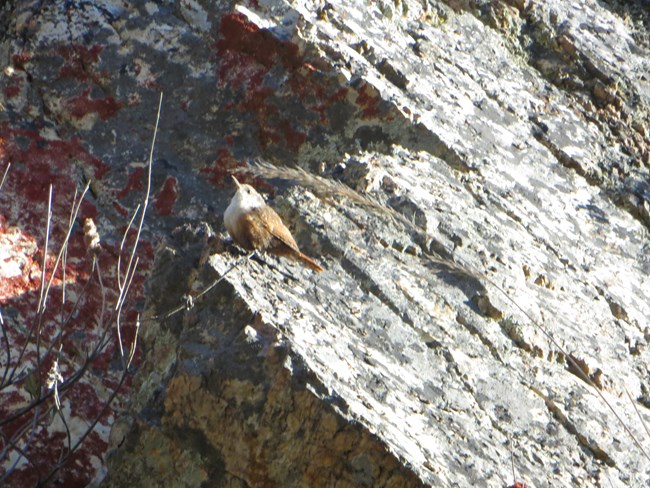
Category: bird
[255,226]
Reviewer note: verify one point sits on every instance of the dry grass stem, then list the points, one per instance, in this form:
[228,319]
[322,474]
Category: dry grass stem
[4,176]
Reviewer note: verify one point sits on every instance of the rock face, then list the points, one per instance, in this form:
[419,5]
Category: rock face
[474,178]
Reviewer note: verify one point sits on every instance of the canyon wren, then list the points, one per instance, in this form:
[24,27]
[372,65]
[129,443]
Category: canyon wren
[255,226]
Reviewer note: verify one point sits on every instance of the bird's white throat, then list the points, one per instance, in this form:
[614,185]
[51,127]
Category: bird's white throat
[245,200]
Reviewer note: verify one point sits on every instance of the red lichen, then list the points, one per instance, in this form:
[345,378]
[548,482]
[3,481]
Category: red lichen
[222,167]
[79,107]
[247,53]
[134,182]
[167,196]
[226,165]
[38,162]
[79,61]
[20,60]
[293,138]
[248,57]
[12,90]
[368,100]
[240,35]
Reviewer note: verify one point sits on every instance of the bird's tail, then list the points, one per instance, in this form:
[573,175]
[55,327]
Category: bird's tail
[309,262]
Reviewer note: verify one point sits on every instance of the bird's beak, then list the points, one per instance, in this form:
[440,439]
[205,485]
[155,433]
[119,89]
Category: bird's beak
[237,184]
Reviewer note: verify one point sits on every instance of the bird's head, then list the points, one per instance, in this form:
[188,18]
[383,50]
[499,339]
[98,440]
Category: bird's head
[247,197]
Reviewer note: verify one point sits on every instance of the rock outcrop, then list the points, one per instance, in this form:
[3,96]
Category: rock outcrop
[472,175]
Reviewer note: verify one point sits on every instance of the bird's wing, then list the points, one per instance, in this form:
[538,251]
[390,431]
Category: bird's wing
[264,225]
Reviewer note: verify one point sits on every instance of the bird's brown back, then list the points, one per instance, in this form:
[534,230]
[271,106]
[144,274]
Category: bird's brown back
[262,229]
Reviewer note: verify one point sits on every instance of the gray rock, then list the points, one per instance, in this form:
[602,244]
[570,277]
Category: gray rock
[486,295]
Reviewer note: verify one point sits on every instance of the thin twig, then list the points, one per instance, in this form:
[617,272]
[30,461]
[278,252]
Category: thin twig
[4,176]
[2,324]
[40,309]
[63,456]
[7,352]
[643,422]
[59,335]
[12,443]
[64,257]
[88,431]
[184,306]
[120,305]
[147,194]
[573,363]
[122,243]
[41,300]
[77,207]
[134,344]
